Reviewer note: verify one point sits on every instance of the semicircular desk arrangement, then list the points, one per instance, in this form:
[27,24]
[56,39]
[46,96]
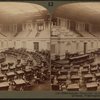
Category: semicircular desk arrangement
[43,50]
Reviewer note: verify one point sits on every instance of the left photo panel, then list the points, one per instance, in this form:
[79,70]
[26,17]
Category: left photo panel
[24,47]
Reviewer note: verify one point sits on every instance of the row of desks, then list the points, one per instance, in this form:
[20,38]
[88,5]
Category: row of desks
[76,78]
[12,74]
[12,68]
[76,87]
[74,69]
[74,66]
[17,82]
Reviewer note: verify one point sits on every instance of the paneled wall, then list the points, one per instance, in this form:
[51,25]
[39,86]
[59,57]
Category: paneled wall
[73,45]
[29,44]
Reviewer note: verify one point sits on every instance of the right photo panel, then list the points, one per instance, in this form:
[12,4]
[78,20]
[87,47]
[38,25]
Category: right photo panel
[75,47]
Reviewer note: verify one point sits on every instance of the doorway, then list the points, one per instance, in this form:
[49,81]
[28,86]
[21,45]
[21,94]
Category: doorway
[85,47]
[36,46]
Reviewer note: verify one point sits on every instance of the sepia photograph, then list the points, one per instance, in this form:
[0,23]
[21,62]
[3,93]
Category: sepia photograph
[24,47]
[75,47]
[49,49]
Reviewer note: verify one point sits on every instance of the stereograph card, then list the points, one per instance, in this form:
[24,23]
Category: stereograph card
[49,49]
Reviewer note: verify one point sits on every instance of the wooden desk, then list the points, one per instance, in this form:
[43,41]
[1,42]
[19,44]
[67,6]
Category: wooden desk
[86,66]
[4,69]
[64,72]
[74,71]
[20,72]
[97,75]
[85,71]
[27,71]
[58,67]
[18,66]
[10,64]
[62,78]
[12,67]
[73,87]
[92,86]
[67,67]
[88,77]
[76,66]
[4,86]
[19,82]
[94,69]
[2,76]
[10,75]
[2,59]
[93,65]
[75,78]
[4,65]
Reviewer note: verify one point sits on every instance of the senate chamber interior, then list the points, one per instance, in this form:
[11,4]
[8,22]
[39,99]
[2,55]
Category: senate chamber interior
[24,47]
[75,47]
[42,51]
